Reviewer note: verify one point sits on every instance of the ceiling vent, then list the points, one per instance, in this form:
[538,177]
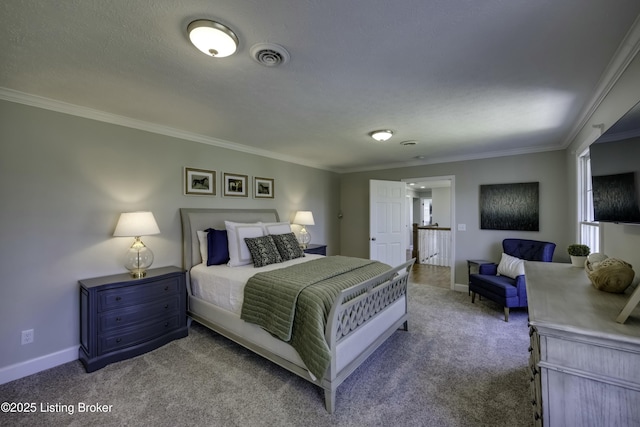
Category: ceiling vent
[409,143]
[269,54]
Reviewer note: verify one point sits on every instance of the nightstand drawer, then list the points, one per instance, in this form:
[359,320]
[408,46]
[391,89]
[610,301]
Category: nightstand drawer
[124,317]
[107,343]
[131,295]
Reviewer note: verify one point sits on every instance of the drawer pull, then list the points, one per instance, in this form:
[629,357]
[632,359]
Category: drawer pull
[166,288]
[118,319]
[118,340]
[166,324]
[118,298]
[166,306]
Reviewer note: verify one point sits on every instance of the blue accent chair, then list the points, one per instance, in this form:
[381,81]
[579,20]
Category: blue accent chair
[508,292]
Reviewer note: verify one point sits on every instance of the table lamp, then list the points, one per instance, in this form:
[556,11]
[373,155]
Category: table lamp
[135,224]
[304,218]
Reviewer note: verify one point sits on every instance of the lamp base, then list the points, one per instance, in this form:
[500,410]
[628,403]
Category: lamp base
[304,238]
[138,259]
[138,274]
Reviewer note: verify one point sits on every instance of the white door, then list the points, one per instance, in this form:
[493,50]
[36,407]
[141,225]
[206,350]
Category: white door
[387,222]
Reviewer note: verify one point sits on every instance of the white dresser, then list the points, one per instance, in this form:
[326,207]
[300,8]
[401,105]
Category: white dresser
[585,367]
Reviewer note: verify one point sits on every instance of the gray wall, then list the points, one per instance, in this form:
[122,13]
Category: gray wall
[546,168]
[617,240]
[64,181]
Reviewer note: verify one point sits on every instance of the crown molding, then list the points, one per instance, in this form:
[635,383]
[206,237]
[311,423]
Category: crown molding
[89,113]
[626,52]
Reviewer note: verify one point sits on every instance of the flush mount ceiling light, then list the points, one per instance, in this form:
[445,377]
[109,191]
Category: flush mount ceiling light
[212,38]
[381,135]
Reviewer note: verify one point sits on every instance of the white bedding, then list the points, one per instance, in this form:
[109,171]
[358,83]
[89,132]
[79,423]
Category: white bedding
[223,286]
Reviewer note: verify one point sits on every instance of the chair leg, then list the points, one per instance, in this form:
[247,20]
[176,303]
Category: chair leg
[506,314]
[473,297]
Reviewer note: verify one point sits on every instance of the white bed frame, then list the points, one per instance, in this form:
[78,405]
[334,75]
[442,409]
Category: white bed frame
[361,319]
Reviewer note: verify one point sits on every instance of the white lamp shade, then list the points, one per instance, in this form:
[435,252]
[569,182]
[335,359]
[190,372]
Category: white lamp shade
[212,38]
[135,224]
[304,218]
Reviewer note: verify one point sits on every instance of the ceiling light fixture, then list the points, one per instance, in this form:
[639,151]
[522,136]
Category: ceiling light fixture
[212,38]
[381,135]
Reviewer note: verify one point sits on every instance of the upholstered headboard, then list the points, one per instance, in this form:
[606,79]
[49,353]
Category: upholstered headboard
[201,219]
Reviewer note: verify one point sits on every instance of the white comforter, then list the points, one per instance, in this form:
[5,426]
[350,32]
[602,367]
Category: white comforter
[223,286]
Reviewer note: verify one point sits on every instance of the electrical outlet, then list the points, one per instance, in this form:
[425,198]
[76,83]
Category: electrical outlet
[27,336]
[462,227]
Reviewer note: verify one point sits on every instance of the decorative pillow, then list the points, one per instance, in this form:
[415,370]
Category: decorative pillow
[203,239]
[217,247]
[236,233]
[510,266]
[263,250]
[276,227]
[288,246]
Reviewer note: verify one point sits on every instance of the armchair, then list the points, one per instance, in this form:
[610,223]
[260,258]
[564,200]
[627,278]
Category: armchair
[510,292]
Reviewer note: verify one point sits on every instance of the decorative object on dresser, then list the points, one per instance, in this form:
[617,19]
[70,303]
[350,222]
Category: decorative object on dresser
[136,224]
[121,317]
[505,283]
[304,218]
[585,367]
[578,254]
[316,249]
[365,305]
[610,274]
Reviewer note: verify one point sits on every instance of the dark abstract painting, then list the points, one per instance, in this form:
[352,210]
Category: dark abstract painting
[509,207]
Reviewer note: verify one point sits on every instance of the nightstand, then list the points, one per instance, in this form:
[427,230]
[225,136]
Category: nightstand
[316,249]
[475,265]
[123,317]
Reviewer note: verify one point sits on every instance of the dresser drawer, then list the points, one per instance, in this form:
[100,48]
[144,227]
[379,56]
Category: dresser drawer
[131,295]
[127,316]
[114,341]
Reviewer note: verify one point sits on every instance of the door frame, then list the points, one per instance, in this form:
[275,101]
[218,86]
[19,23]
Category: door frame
[452,213]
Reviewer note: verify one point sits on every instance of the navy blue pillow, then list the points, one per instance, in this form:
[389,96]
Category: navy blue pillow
[217,246]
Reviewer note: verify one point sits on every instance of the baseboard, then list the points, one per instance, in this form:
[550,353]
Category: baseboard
[460,288]
[42,363]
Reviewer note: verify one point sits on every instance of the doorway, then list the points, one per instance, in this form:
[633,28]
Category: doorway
[440,191]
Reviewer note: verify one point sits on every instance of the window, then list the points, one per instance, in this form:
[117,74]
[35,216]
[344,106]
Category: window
[589,229]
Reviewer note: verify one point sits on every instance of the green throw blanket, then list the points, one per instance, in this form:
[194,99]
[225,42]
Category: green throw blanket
[293,303]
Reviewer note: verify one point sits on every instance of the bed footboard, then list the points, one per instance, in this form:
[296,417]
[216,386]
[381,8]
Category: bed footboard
[383,295]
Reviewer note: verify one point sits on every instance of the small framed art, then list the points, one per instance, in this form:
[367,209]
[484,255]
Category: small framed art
[235,185]
[199,182]
[262,188]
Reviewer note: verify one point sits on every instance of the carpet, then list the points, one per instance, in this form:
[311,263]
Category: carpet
[459,364]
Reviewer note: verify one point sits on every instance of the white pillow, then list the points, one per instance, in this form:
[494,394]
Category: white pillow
[510,266]
[204,245]
[236,233]
[276,227]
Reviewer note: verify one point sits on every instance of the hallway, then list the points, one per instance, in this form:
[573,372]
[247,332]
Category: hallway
[433,275]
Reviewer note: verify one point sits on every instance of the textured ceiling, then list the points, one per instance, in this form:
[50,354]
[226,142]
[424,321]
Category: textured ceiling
[463,78]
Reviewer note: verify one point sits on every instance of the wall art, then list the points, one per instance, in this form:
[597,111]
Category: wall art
[235,185]
[509,207]
[199,182]
[262,188]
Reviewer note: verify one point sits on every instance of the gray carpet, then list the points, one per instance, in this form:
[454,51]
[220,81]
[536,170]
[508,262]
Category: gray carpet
[460,364]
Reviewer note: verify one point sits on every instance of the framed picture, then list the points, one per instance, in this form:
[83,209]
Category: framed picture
[509,207]
[262,188]
[199,182]
[235,185]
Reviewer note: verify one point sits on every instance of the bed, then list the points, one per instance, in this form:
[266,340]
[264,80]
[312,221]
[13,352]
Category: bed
[360,318]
